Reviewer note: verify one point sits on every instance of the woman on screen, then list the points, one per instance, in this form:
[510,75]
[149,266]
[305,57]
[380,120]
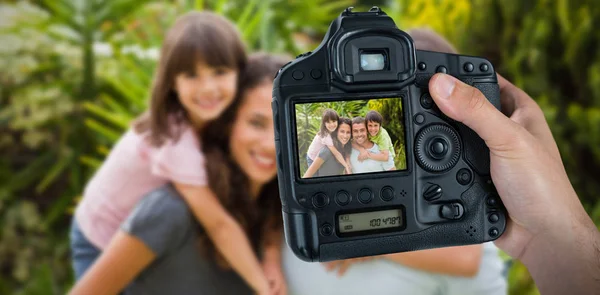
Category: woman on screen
[325,164]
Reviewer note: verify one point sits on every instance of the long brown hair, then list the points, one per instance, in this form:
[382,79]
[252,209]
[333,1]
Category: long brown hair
[346,149]
[196,37]
[260,216]
[328,115]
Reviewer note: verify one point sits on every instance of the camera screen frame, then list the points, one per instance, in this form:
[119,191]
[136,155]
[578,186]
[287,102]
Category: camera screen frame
[306,99]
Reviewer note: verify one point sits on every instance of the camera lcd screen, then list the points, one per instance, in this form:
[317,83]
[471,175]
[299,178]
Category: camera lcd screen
[338,138]
[366,221]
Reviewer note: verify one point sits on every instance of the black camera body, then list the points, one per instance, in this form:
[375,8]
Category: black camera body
[442,196]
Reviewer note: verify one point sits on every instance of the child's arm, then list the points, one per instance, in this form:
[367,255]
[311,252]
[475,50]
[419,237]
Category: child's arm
[338,156]
[457,261]
[364,154]
[317,163]
[382,156]
[226,234]
[124,258]
[272,263]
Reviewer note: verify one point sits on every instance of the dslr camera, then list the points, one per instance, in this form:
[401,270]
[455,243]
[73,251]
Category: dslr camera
[366,162]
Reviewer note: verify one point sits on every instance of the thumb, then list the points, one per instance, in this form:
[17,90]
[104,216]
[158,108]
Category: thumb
[469,106]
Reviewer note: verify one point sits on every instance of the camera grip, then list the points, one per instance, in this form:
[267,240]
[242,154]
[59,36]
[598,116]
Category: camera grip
[298,236]
[476,152]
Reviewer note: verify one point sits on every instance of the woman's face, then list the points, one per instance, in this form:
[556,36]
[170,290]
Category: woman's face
[206,92]
[344,133]
[252,141]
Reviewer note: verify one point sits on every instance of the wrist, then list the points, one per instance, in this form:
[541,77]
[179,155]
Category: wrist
[570,252]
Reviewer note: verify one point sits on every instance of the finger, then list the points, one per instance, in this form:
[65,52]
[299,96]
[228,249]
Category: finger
[344,267]
[468,105]
[329,266]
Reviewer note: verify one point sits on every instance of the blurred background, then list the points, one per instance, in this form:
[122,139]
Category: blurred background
[73,73]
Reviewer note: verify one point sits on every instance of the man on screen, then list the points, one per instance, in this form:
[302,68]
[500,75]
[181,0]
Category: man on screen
[361,141]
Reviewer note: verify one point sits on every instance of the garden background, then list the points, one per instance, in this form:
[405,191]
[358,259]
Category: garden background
[73,73]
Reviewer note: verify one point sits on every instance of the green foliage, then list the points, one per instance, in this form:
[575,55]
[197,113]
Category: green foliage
[75,73]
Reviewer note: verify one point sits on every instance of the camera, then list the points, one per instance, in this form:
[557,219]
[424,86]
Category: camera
[367,164]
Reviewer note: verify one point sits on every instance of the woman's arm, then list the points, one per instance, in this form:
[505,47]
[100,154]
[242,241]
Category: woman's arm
[317,163]
[338,156]
[457,261]
[226,234]
[124,258]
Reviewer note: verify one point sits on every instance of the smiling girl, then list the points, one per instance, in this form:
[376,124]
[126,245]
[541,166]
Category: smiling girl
[195,81]
[325,163]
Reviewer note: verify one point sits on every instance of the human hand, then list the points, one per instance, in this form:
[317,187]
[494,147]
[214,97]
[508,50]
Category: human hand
[348,169]
[343,265]
[275,277]
[526,167]
[363,155]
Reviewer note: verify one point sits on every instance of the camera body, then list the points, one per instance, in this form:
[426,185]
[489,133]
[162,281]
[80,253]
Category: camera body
[438,192]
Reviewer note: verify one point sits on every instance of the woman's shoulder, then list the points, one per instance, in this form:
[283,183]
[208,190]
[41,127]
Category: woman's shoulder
[162,207]
[161,220]
[165,200]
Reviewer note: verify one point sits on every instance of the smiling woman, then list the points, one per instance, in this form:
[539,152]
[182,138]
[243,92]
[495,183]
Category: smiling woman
[162,249]
[325,164]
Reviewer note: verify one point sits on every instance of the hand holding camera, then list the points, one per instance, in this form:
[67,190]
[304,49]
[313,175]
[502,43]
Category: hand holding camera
[427,180]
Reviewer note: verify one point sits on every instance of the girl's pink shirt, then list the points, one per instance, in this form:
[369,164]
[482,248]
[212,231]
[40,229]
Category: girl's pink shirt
[317,144]
[133,169]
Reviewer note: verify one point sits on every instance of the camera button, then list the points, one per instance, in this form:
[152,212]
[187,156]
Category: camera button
[469,67]
[326,229]
[342,198]
[452,211]
[463,176]
[426,101]
[316,74]
[432,192]
[492,201]
[484,67]
[493,232]
[298,75]
[365,195]
[419,119]
[422,66]
[441,69]
[438,148]
[320,200]
[387,193]
[493,218]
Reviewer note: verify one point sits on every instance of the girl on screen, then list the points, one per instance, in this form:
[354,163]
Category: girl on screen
[326,164]
[329,123]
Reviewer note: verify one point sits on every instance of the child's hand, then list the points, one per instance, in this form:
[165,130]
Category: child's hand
[275,278]
[348,169]
[343,265]
[363,155]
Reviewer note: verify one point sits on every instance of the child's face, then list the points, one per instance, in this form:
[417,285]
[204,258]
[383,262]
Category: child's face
[331,125]
[252,140]
[207,92]
[373,128]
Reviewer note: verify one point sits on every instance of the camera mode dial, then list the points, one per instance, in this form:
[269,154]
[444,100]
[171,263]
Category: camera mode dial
[437,148]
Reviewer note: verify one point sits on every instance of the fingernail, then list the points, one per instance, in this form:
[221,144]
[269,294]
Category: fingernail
[444,85]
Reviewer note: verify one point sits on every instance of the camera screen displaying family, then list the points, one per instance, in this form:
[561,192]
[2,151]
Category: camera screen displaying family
[350,137]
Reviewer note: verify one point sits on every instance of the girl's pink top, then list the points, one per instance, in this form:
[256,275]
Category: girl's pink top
[133,169]
[317,144]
